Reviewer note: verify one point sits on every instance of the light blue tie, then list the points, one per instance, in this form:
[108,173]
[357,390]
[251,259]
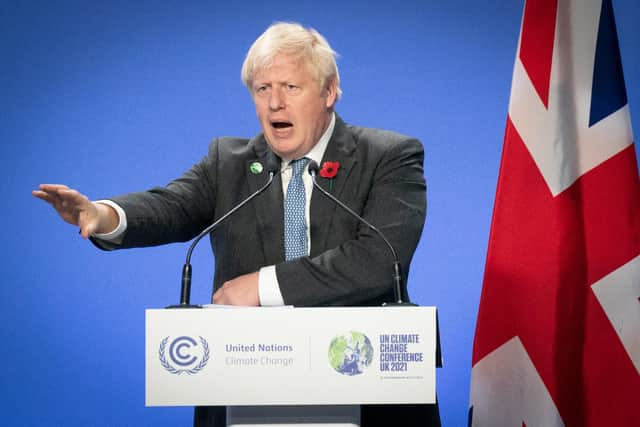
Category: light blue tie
[295,227]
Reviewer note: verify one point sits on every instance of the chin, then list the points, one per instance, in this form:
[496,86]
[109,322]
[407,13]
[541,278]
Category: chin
[284,150]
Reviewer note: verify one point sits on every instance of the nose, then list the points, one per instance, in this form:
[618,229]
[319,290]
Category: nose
[276,100]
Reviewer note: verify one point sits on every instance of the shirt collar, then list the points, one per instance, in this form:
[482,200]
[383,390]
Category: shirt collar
[317,152]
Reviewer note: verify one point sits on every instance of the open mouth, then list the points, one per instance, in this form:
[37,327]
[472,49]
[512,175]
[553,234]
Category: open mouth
[281,125]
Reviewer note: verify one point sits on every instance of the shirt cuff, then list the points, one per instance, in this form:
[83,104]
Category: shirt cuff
[116,235]
[268,287]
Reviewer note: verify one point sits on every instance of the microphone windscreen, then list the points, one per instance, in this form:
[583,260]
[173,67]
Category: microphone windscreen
[313,167]
[273,163]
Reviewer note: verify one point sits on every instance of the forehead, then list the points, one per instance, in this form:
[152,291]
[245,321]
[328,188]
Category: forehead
[284,67]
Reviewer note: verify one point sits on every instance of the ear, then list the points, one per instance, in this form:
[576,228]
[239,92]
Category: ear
[332,93]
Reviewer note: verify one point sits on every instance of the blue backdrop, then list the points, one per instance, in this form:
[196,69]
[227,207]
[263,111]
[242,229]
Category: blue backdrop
[116,96]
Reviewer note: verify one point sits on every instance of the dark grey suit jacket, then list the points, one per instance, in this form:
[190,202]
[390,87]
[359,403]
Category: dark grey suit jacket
[380,177]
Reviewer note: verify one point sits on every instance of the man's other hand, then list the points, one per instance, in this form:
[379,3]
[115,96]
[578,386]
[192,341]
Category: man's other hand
[243,290]
[75,208]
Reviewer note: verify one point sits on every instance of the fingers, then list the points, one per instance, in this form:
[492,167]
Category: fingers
[87,231]
[72,206]
[76,208]
[52,187]
[42,195]
[49,192]
[243,290]
[55,193]
[223,295]
[216,298]
[60,196]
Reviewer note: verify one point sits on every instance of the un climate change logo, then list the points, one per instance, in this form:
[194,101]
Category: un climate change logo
[185,355]
[350,354]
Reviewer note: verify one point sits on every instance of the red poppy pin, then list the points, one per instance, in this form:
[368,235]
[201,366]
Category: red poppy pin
[329,169]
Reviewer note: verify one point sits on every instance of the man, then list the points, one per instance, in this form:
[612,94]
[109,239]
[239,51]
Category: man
[315,255]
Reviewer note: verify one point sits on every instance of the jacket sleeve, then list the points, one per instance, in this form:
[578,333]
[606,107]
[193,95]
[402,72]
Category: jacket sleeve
[174,213]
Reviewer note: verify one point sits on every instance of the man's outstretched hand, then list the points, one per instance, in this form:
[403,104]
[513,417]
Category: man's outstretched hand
[75,208]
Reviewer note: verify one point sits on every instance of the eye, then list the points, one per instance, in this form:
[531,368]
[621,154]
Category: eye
[260,89]
[291,87]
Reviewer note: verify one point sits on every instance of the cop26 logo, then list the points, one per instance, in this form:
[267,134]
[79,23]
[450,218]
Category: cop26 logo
[350,354]
[185,355]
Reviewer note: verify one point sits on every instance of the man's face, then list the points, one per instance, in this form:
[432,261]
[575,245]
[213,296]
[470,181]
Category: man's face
[293,109]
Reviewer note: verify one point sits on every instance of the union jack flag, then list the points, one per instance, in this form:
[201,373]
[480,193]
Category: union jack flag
[558,332]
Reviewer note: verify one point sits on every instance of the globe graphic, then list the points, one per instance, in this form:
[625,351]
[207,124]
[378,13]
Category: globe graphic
[349,354]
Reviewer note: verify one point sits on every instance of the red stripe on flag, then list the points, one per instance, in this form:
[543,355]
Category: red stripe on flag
[513,290]
[612,221]
[536,43]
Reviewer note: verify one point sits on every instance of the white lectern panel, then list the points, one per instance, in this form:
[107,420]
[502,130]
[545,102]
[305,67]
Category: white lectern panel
[290,356]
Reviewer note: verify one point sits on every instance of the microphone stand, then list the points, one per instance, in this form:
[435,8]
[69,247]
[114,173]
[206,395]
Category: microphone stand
[397,276]
[185,289]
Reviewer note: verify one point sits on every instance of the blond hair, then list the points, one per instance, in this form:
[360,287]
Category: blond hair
[305,44]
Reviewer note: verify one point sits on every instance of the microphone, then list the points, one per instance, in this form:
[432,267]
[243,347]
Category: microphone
[272,167]
[397,277]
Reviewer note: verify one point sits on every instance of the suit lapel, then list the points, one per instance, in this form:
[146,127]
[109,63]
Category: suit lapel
[340,149]
[269,206]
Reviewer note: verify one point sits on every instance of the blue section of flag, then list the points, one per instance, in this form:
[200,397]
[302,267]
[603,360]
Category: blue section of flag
[608,93]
